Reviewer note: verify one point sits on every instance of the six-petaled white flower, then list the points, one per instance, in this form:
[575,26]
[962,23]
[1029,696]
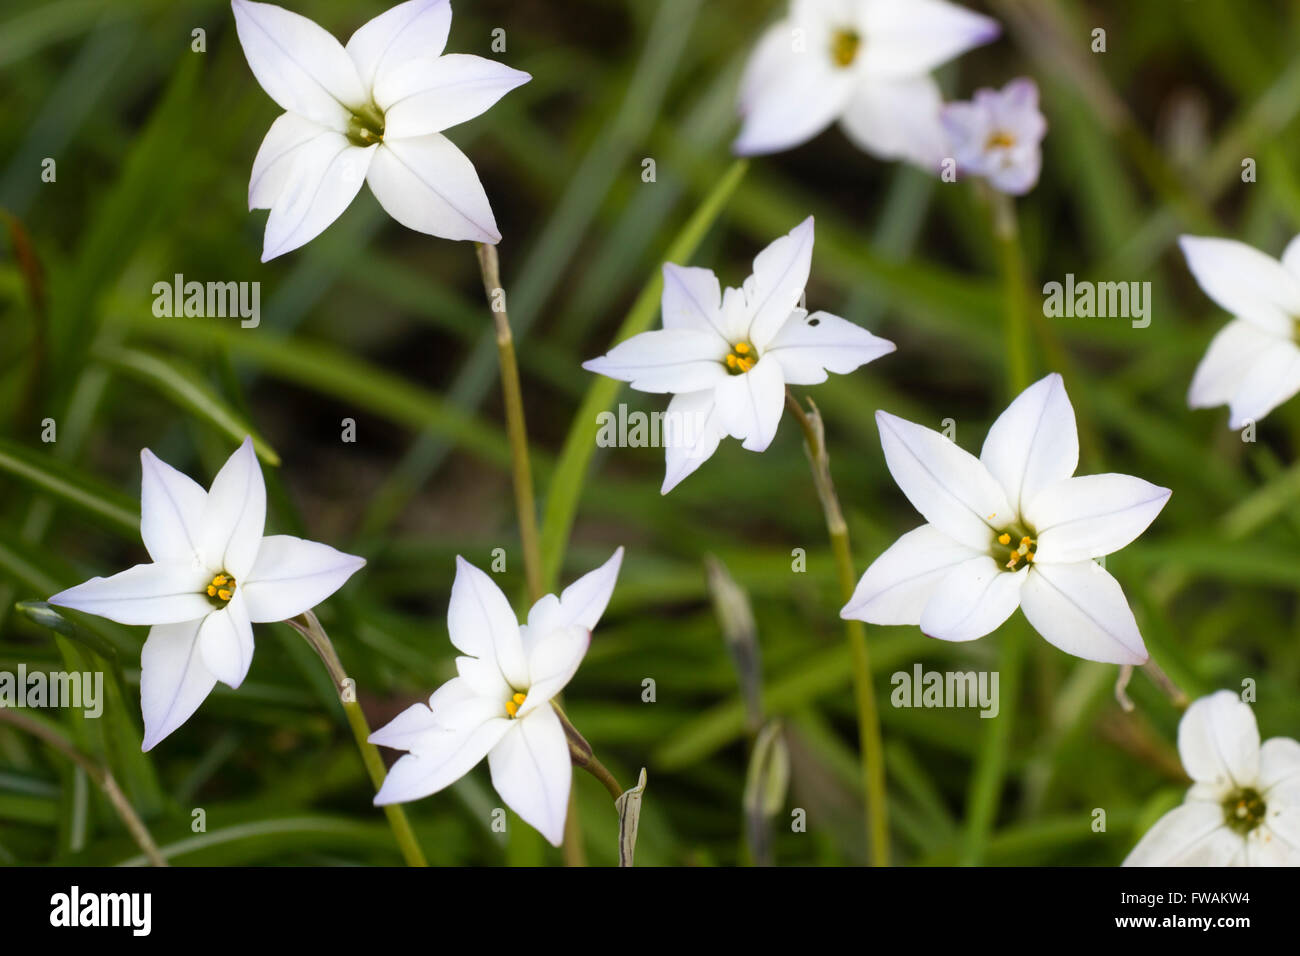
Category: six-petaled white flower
[1009,529]
[1243,808]
[212,577]
[1253,364]
[373,111]
[728,356]
[998,136]
[500,704]
[865,63]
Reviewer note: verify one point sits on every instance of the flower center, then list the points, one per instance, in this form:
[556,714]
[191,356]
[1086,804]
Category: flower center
[514,703]
[366,126]
[1013,546]
[1000,140]
[741,358]
[221,589]
[1244,810]
[845,45]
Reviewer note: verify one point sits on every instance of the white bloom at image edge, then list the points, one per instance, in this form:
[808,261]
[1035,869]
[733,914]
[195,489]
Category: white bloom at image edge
[1253,364]
[998,136]
[1009,529]
[865,63]
[727,357]
[1243,808]
[373,111]
[499,705]
[213,576]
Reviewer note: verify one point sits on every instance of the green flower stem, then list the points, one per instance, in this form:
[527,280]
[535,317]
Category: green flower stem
[310,628]
[1011,265]
[581,754]
[873,754]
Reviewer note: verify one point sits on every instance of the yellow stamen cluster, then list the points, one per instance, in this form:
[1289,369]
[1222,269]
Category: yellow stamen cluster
[366,128]
[741,358]
[514,703]
[221,587]
[845,45]
[1000,140]
[1025,550]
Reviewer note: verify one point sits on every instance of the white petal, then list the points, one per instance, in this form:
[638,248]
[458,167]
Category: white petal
[1193,834]
[235,515]
[532,773]
[1094,515]
[292,575]
[899,583]
[144,594]
[429,185]
[973,599]
[1227,364]
[778,281]
[1244,281]
[692,436]
[580,605]
[904,39]
[1272,380]
[173,679]
[809,346]
[1279,764]
[280,149]
[950,487]
[692,301]
[898,119]
[417,28]
[1082,610]
[1218,741]
[1034,443]
[226,642]
[552,663]
[1291,258]
[325,177]
[299,64]
[1276,843]
[749,405]
[171,507]
[788,95]
[665,360]
[431,95]
[413,729]
[451,755]
[482,624]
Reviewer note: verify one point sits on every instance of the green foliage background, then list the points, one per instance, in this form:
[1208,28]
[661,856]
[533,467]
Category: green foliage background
[154,144]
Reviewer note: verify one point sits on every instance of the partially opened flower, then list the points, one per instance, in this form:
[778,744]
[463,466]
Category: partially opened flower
[373,112]
[865,63]
[1253,364]
[1243,808]
[727,356]
[998,136]
[212,577]
[1009,529]
[499,706]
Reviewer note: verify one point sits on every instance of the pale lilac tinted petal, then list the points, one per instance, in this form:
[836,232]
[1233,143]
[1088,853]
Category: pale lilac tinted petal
[809,346]
[226,642]
[171,507]
[898,119]
[1193,834]
[173,679]
[776,287]
[694,432]
[1244,281]
[692,300]
[292,575]
[482,624]
[1218,741]
[1034,443]
[429,185]
[950,487]
[665,360]
[1225,369]
[1082,610]
[429,96]
[531,771]
[904,39]
[235,515]
[552,663]
[1273,379]
[299,64]
[325,177]
[280,149]
[408,31]
[449,756]
[898,584]
[1091,516]
[749,405]
[974,598]
[144,594]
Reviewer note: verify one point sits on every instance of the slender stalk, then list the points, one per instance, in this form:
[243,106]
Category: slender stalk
[101,775]
[1011,265]
[873,753]
[582,756]
[310,628]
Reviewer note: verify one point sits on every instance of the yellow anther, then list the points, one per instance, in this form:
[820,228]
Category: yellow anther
[741,358]
[844,47]
[742,348]
[1004,538]
[514,703]
[1015,556]
[221,588]
[1026,542]
[224,594]
[731,360]
[1000,140]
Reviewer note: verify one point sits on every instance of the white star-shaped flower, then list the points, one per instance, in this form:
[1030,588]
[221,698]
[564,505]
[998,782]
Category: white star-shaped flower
[998,136]
[373,112]
[1253,364]
[865,63]
[1243,808]
[212,577]
[500,704]
[1009,529]
[727,356]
